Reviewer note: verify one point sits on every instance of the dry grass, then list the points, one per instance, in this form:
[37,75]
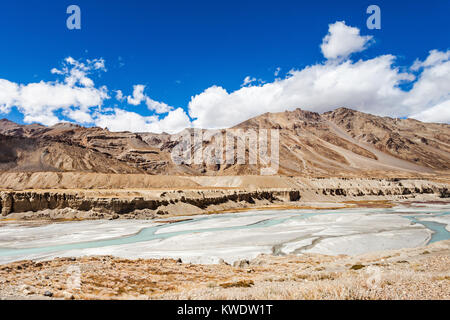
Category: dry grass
[401,274]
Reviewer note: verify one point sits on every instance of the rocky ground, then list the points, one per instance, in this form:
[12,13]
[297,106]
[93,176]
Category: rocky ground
[419,273]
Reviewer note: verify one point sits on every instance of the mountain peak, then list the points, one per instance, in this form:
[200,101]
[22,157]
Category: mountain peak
[6,120]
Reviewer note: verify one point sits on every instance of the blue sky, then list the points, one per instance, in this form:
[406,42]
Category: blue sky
[179,49]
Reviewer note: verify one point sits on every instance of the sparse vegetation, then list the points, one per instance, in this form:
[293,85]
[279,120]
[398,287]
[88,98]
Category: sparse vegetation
[273,277]
[357,267]
[238,284]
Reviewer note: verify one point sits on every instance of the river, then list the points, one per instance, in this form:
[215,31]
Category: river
[232,236]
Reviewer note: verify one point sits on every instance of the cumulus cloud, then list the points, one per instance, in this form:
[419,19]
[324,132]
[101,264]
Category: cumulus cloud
[248,80]
[435,57]
[158,107]
[174,122]
[429,99]
[342,40]
[122,120]
[79,116]
[277,72]
[75,95]
[119,95]
[139,96]
[372,85]
[77,98]
[76,72]
[438,113]
[9,92]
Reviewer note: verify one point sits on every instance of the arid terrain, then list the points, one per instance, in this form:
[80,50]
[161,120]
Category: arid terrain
[339,159]
[341,143]
[420,273]
[87,196]
[343,155]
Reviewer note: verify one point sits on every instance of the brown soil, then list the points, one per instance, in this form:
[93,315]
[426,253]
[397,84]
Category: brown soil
[420,273]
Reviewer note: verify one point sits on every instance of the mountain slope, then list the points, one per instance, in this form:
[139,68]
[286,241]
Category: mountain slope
[342,142]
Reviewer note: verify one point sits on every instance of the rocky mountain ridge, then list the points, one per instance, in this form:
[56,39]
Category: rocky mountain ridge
[342,142]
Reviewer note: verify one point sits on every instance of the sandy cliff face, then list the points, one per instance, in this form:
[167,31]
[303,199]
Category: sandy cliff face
[343,142]
[195,195]
[153,204]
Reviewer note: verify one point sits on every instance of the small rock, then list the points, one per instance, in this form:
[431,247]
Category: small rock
[241,263]
[68,296]
[48,294]
[357,266]
[223,262]
[25,289]
[179,260]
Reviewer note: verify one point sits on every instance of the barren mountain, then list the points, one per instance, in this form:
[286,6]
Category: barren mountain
[343,142]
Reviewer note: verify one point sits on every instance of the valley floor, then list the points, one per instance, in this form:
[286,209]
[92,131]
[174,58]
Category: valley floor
[418,273]
[414,273]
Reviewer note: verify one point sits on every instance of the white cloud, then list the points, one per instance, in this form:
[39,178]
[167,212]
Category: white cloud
[342,40]
[121,120]
[248,80]
[76,72]
[119,95]
[48,119]
[41,100]
[75,95]
[429,99]
[174,122]
[433,85]
[372,85]
[138,95]
[98,64]
[158,107]
[79,116]
[434,57]
[439,113]
[56,71]
[9,93]
[277,72]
